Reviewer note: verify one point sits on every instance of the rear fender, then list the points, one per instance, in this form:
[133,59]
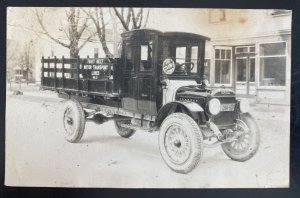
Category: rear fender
[190,108]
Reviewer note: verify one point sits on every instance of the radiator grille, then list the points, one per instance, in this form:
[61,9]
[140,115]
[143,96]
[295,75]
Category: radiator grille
[226,118]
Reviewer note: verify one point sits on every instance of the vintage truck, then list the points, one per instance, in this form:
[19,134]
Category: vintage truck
[157,84]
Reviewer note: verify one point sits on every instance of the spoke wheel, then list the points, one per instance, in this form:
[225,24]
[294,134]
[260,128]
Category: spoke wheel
[122,131]
[177,144]
[180,142]
[73,121]
[247,141]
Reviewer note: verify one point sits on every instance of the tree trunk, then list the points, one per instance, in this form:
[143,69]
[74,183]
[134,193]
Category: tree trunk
[74,51]
[106,50]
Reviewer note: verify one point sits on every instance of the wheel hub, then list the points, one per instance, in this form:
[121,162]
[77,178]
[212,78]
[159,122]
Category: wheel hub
[243,138]
[177,144]
[69,121]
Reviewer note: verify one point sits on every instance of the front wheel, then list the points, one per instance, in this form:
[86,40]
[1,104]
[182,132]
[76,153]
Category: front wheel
[180,142]
[247,143]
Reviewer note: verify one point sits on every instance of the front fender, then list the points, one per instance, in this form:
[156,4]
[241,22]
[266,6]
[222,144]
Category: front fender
[191,108]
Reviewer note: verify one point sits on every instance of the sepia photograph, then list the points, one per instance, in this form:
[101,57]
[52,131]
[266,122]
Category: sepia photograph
[129,97]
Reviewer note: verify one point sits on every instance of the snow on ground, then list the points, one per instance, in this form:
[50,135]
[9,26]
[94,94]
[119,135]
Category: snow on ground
[38,155]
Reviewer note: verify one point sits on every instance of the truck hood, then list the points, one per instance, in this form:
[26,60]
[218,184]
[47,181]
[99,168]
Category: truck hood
[200,94]
[190,90]
[173,86]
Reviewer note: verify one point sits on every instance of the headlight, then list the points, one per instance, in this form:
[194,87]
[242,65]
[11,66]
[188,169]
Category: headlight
[205,82]
[214,106]
[244,105]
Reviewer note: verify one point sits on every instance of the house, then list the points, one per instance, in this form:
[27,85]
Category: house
[23,74]
[254,60]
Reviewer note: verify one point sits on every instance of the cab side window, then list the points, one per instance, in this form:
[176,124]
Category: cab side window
[146,56]
[180,54]
[129,59]
[194,58]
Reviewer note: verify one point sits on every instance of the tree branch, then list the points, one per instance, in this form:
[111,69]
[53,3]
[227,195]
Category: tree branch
[87,40]
[124,24]
[64,30]
[128,18]
[77,17]
[146,21]
[102,22]
[83,27]
[140,18]
[133,18]
[97,16]
[40,21]
[94,21]
[122,12]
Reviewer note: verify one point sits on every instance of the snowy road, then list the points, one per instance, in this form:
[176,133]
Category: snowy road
[38,155]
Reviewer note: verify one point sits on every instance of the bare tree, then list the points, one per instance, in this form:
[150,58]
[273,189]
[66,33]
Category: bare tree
[76,27]
[131,20]
[12,54]
[97,17]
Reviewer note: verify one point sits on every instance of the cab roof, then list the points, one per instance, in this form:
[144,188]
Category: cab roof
[140,32]
[185,34]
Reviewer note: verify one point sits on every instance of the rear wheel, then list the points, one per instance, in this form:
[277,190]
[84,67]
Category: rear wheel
[247,143]
[74,121]
[123,131]
[180,142]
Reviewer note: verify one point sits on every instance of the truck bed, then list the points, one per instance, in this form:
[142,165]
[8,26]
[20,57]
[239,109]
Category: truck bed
[89,76]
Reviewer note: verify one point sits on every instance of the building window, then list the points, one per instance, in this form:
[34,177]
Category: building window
[252,70]
[244,49]
[222,66]
[241,69]
[242,52]
[217,15]
[272,58]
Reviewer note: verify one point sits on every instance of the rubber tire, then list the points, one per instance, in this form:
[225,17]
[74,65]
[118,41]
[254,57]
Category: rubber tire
[255,141]
[122,131]
[195,137]
[79,121]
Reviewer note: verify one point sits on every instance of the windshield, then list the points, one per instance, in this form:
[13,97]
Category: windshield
[181,58]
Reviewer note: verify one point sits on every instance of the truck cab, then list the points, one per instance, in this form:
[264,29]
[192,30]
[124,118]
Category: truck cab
[150,58]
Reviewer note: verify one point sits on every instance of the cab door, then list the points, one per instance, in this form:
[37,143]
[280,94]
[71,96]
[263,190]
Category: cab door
[139,78]
[129,75]
[147,77]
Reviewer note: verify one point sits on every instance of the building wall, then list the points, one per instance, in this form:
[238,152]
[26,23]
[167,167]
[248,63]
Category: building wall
[256,27]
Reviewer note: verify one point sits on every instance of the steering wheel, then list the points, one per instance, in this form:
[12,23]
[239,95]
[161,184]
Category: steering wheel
[186,68]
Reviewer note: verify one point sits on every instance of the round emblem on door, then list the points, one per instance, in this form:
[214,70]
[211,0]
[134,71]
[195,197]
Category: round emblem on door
[168,66]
